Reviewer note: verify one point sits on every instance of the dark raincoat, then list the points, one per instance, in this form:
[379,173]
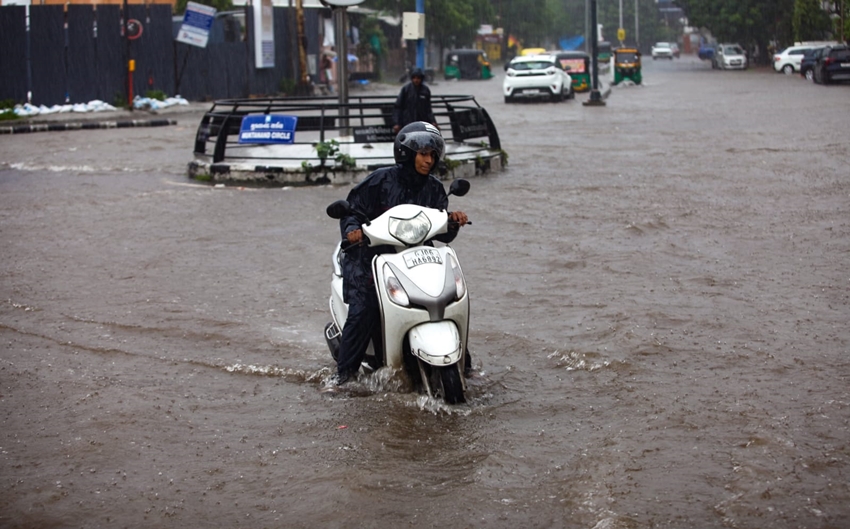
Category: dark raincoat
[382,190]
[413,104]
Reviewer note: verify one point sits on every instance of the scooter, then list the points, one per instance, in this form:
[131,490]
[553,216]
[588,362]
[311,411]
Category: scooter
[422,294]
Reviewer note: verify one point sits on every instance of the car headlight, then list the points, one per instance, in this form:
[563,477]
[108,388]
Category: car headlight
[550,71]
[511,73]
[410,231]
[460,284]
[395,291]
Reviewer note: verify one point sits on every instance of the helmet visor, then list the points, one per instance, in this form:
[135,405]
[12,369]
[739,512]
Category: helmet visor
[421,140]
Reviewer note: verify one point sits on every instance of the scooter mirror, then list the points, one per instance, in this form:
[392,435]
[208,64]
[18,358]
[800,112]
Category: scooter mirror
[459,187]
[338,209]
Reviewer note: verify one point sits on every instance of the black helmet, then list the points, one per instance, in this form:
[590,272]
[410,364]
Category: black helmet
[417,72]
[415,137]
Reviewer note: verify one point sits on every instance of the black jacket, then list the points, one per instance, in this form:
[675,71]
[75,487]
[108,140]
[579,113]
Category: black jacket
[413,104]
[380,191]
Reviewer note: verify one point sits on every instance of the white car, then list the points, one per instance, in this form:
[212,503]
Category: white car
[788,60]
[730,57]
[537,76]
[662,50]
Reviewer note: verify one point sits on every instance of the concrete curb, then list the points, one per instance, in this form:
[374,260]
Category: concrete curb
[87,125]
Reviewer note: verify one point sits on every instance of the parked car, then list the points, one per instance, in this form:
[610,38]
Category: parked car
[808,62]
[706,52]
[833,65]
[730,57]
[662,50]
[788,60]
[537,76]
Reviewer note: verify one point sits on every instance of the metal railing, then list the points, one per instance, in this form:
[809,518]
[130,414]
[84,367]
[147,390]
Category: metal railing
[363,120]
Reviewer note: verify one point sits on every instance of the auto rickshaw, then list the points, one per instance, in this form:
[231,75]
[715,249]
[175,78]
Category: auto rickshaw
[467,64]
[627,65]
[579,68]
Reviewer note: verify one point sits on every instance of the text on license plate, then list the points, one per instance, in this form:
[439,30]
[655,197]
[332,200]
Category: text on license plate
[423,256]
[845,64]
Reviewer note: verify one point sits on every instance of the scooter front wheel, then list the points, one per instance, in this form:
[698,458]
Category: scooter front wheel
[451,384]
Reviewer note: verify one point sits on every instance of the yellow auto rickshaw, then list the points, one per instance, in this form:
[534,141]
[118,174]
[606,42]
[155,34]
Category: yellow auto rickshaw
[627,65]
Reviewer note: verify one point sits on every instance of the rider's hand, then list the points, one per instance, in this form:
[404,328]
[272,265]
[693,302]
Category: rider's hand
[458,217]
[354,236]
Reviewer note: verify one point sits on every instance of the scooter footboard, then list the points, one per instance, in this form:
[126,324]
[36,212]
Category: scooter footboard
[436,343]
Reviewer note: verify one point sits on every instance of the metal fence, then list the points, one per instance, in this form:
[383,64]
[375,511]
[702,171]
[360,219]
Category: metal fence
[77,53]
[363,120]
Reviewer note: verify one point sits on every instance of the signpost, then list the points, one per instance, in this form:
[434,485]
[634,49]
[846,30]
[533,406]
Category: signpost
[268,128]
[197,22]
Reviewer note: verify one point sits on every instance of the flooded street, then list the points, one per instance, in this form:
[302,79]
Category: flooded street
[660,303]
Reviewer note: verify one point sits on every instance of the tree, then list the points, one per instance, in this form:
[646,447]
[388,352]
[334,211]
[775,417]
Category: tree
[756,24]
[810,21]
[449,23]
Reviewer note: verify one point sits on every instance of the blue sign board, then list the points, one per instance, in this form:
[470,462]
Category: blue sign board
[268,128]
[197,22]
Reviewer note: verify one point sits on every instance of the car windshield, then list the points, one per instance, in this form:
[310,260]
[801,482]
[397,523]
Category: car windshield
[733,50]
[662,45]
[575,65]
[841,55]
[531,65]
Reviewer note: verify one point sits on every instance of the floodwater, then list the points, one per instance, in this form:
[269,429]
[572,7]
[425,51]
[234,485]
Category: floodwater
[660,295]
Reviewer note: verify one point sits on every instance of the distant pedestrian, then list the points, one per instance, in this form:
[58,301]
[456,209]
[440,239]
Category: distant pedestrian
[413,102]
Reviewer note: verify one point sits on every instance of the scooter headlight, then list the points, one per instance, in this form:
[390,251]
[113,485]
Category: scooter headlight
[394,289]
[410,231]
[460,284]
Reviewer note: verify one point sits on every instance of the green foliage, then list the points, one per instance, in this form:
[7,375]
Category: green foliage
[287,86]
[809,21]
[119,100]
[753,22]
[8,114]
[329,149]
[159,95]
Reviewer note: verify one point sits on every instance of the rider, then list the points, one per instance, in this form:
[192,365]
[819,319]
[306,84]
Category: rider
[418,147]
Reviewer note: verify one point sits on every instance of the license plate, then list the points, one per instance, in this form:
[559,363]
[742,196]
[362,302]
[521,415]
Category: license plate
[423,256]
[531,91]
[845,64]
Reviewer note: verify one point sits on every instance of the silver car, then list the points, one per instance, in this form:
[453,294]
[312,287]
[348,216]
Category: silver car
[730,57]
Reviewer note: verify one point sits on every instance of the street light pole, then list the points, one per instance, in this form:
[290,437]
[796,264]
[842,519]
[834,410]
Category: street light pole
[420,43]
[595,96]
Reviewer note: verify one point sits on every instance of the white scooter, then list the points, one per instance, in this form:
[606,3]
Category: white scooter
[422,296]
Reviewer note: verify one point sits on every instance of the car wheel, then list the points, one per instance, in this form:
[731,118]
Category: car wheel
[824,77]
[787,69]
[557,98]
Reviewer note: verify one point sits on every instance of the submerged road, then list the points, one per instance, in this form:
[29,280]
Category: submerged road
[660,306]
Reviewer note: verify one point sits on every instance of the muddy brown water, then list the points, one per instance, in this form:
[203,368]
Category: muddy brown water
[660,305]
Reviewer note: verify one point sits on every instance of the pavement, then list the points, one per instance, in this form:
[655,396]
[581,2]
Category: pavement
[121,118]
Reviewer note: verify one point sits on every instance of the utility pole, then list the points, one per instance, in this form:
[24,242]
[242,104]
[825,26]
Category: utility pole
[420,43]
[595,97]
[637,27]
